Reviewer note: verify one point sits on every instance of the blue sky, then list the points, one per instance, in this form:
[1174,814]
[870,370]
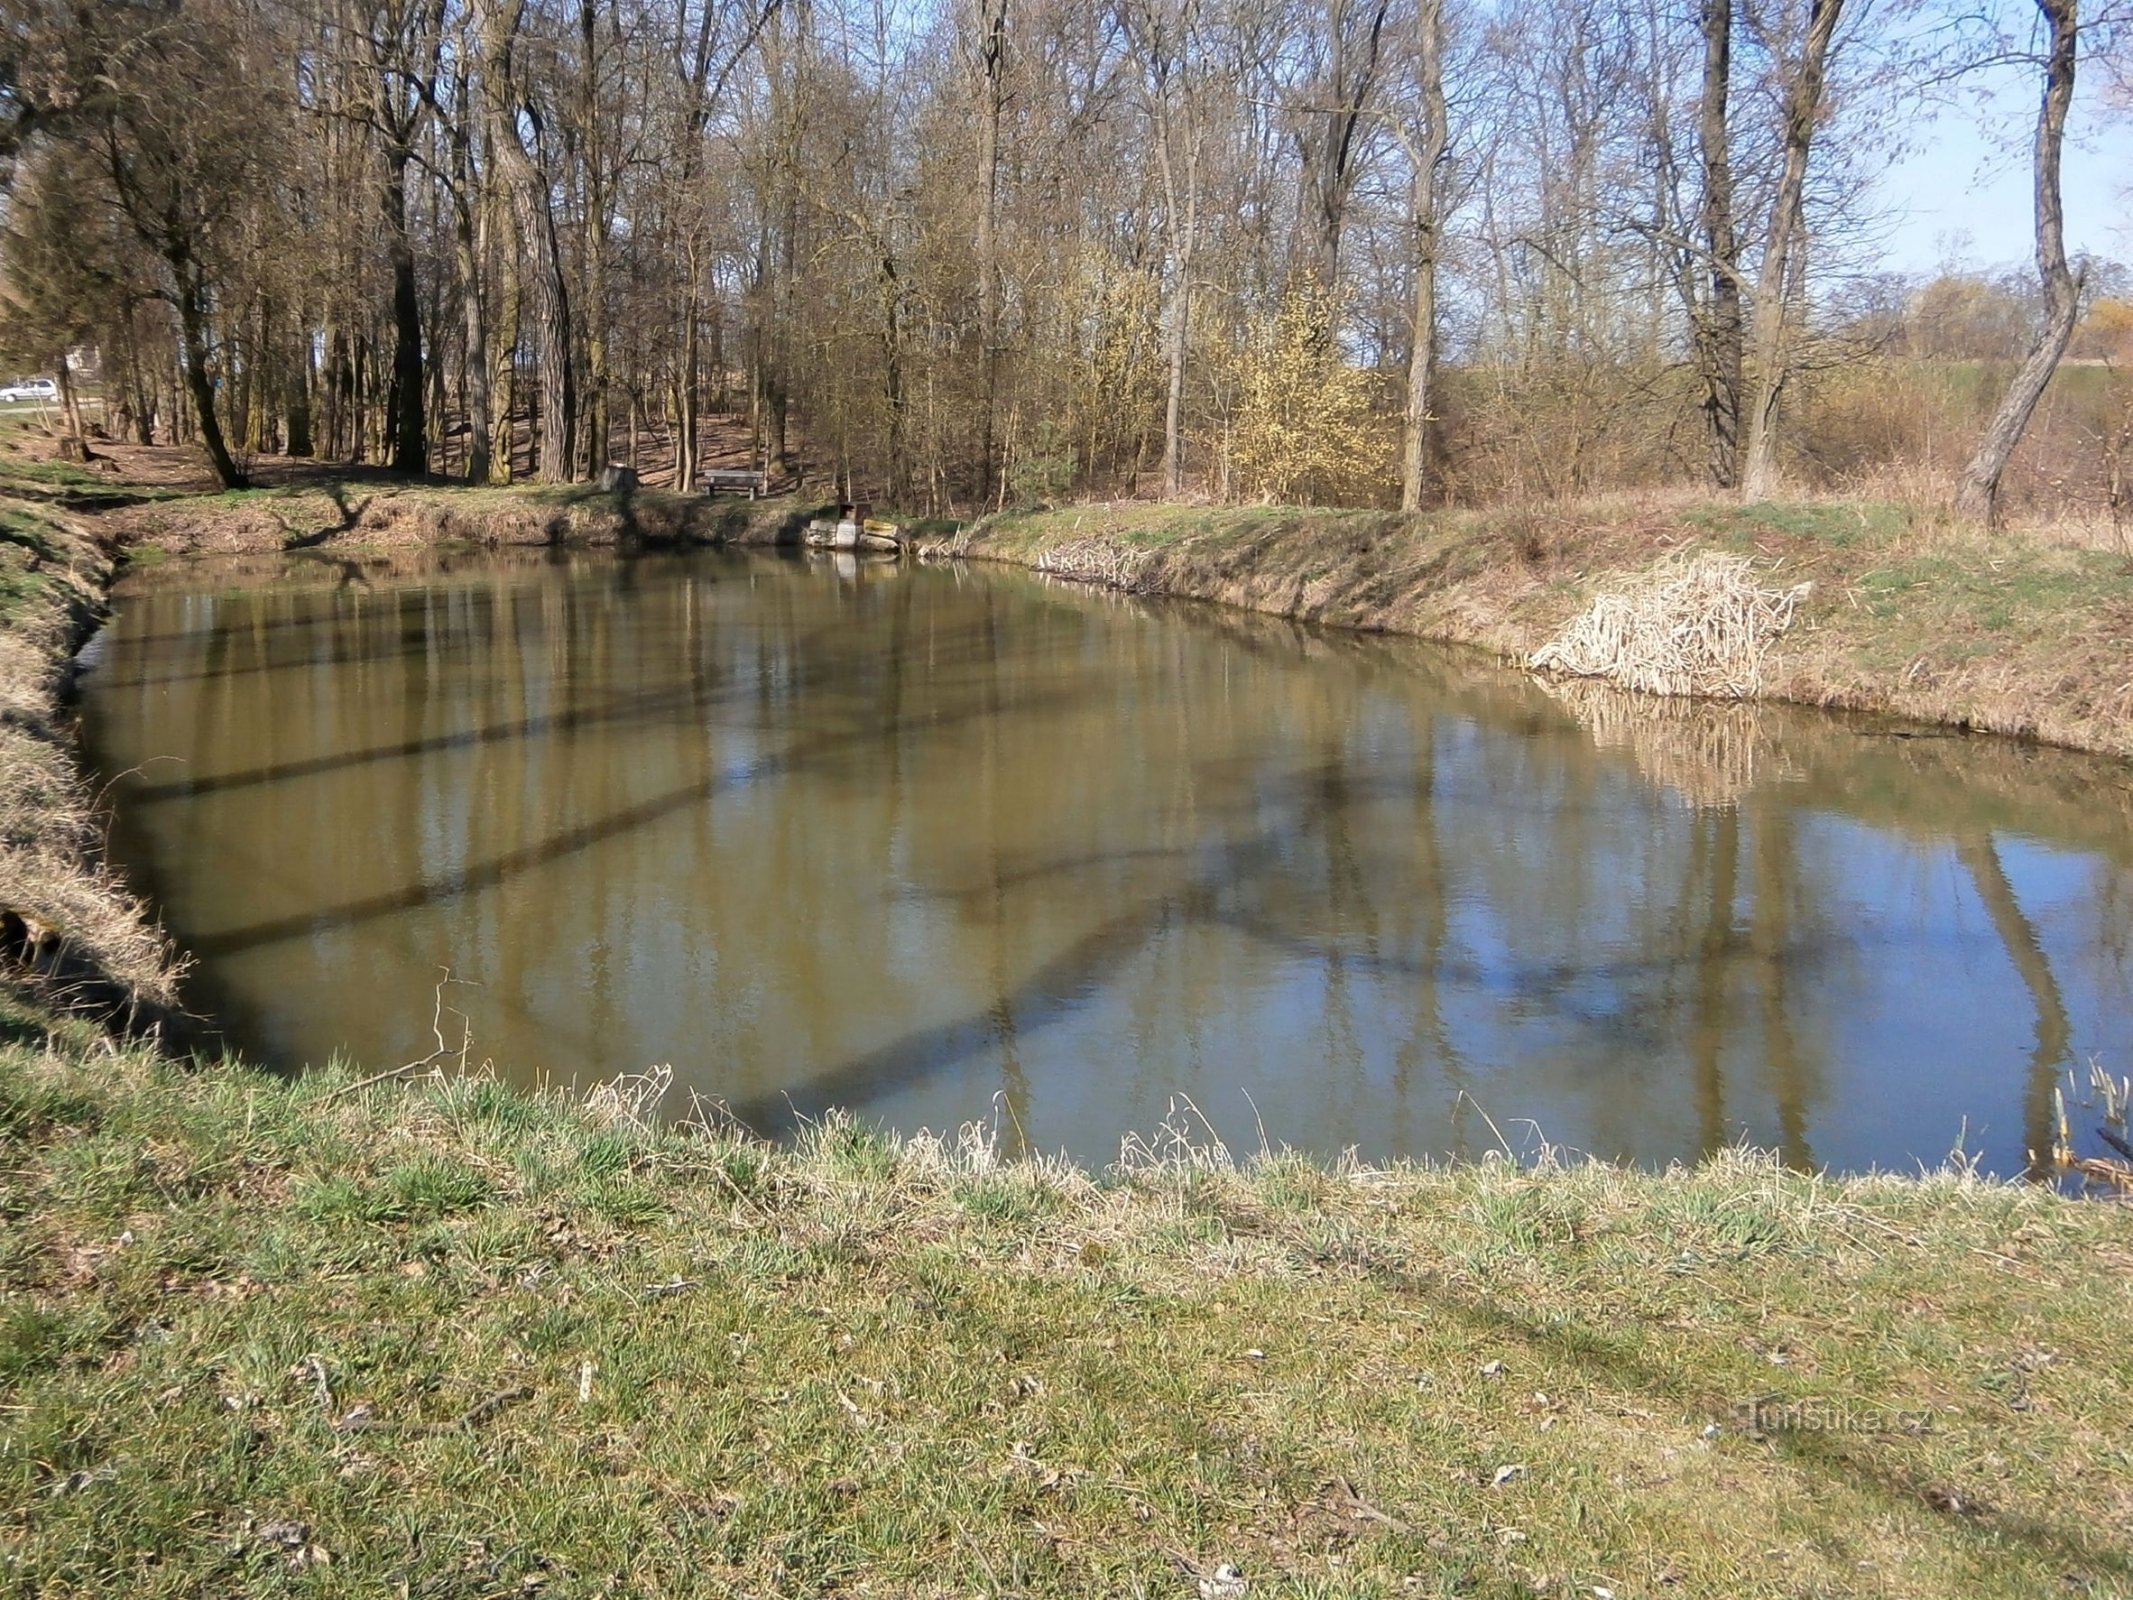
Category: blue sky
[1961,192]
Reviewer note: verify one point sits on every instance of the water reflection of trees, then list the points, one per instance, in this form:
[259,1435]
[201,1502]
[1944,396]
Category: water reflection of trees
[1929,786]
[916,839]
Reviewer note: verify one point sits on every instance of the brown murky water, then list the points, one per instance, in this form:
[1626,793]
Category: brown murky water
[950,844]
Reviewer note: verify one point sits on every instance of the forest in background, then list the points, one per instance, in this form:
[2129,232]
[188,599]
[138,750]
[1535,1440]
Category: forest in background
[958,254]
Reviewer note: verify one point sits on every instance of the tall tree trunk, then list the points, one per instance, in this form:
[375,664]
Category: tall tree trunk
[687,468]
[533,200]
[1428,158]
[141,398]
[199,382]
[1170,95]
[332,387]
[992,95]
[475,331]
[1718,317]
[761,308]
[1979,496]
[890,292]
[303,380]
[240,358]
[1183,234]
[778,370]
[260,380]
[1329,148]
[470,247]
[70,408]
[437,419]
[503,380]
[559,397]
[714,355]
[1174,396]
[404,397]
[592,312]
[1778,276]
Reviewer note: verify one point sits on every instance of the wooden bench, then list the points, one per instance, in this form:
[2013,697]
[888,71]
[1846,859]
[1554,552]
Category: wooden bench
[737,480]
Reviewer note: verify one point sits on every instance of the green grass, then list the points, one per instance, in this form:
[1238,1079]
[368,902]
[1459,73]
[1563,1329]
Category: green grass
[1843,526]
[29,546]
[264,1337]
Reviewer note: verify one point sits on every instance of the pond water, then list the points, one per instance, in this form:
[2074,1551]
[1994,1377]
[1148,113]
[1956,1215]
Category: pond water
[944,844]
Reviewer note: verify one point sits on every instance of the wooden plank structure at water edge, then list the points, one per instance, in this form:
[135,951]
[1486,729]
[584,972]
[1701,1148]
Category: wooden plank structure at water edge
[854,530]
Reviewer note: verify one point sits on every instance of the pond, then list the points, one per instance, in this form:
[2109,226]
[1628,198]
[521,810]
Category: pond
[942,844]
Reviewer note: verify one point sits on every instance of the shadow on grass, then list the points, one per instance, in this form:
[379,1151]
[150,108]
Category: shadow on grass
[1856,1463]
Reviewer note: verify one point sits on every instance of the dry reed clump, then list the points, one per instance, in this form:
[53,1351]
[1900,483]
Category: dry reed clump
[1115,566]
[1690,625]
[2109,1101]
[629,1101]
[1710,755]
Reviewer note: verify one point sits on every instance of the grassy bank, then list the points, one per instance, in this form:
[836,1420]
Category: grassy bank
[264,1338]
[71,936]
[1910,614]
[365,515]
[152,504]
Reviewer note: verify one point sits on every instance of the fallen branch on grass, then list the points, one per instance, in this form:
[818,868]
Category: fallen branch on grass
[480,1411]
[435,1059]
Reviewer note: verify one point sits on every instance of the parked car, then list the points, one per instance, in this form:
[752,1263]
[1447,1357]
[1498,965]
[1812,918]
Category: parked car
[30,389]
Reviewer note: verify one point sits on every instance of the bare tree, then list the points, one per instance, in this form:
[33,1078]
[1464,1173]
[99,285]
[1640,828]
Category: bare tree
[523,146]
[1718,333]
[1162,35]
[1804,77]
[1351,37]
[181,140]
[472,214]
[1426,206]
[1979,495]
[401,41]
[983,39]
